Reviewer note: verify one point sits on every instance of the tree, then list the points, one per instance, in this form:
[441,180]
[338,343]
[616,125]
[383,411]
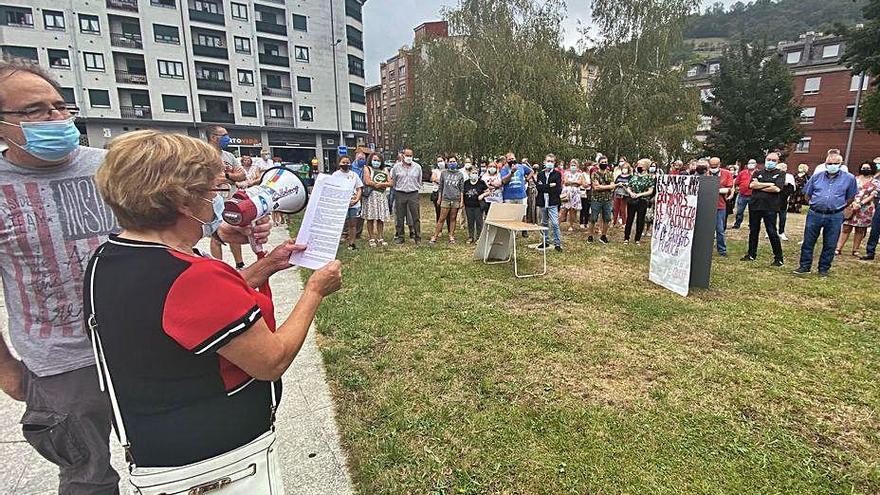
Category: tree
[640,105]
[863,55]
[501,82]
[751,105]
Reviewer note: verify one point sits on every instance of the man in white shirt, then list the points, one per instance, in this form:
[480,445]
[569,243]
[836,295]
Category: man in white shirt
[265,160]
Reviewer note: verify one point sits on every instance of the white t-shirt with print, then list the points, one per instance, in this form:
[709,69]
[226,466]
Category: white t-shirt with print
[355,181]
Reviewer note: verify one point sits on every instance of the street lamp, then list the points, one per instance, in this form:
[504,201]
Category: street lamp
[335,70]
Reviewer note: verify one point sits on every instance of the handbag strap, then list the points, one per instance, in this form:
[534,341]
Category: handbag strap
[105,381]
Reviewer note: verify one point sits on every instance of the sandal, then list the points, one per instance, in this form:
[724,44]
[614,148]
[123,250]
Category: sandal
[837,252]
[372,243]
[432,241]
[383,243]
[451,240]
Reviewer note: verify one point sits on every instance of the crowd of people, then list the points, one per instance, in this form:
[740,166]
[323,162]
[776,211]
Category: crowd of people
[592,195]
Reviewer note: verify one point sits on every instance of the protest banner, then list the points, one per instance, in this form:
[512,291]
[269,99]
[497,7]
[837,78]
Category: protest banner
[675,216]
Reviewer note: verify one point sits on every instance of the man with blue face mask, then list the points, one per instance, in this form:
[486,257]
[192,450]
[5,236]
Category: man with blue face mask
[218,136]
[828,193]
[764,207]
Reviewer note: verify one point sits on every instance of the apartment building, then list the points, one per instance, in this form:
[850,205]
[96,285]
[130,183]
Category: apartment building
[825,89]
[267,70]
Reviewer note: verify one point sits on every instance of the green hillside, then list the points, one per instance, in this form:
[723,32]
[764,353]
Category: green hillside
[773,20]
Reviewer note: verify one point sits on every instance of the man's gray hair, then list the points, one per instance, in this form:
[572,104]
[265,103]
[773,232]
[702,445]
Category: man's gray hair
[10,66]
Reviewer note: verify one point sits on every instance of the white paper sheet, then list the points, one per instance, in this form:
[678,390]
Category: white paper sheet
[322,224]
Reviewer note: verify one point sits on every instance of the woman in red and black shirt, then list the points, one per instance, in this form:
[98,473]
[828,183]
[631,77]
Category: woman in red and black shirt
[192,347]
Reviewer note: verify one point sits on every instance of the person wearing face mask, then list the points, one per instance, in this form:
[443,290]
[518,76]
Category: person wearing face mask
[871,246]
[764,207]
[191,346]
[264,162]
[784,196]
[450,200]
[742,183]
[620,195]
[585,192]
[572,180]
[725,191]
[407,178]
[474,192]
[354,206]
[797,200]
[435,184]
[859,214]
[829,194]
[493,193]
[603,184]
[654,171]
[639,188]
[219,138]
[549,185]
[376,203]
[531,193]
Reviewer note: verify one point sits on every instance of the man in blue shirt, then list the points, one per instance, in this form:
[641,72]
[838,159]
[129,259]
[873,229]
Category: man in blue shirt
[514,177]
[829,193]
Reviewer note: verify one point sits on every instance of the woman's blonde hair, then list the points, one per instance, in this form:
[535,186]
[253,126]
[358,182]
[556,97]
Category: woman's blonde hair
[148,175]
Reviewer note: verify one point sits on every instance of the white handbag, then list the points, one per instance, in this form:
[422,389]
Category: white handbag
[250,469]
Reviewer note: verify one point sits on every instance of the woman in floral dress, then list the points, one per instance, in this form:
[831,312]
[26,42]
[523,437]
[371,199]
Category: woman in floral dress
[572,180]
[859,213]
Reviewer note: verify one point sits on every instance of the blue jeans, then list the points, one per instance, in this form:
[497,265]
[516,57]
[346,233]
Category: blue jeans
[602,208]
[829,226]
[720,227]
[871,248]
[550,218]
[742,202]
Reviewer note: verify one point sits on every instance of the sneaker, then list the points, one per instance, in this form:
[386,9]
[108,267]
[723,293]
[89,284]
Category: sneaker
[723,255]
[352,247]
[432,242]
[383,243]
[603,239]
[747,258]
[638,243]
[801,271]
[626,241]
[542,246]
[398,241]
[823,274]
[777,263]
[782,237]
[372,243]
[470,240]
[558,249]
[867,257]
[735,227]
[590,239]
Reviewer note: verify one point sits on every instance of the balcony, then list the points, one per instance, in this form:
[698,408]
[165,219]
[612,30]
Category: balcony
[280,122]
[214,85]
[135,113]
[210,51]
[129,5]
[204,16]
[268,59]
[282,92]
[124,40]
[223,117]
[271,27]
[125,77]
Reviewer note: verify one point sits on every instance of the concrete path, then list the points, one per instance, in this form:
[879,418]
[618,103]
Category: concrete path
[312,461]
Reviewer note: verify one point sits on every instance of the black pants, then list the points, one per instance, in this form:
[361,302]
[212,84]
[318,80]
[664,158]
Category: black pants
[769,219]
[474,221]
[585,211]
[407,204]
[783,218]
[635,210]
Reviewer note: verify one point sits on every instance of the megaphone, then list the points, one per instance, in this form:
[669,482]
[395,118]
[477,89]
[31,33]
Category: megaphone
[280,190]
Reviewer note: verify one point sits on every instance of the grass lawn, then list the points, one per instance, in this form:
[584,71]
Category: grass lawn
[451,376]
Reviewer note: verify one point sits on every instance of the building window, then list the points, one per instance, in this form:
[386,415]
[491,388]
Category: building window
[300,22]
[793,57]
[854,83]
[175,104]
[276,111]
[830,51]
[211,73]
[170,69]
[306,114]
[304,84]
[692,72]
[359,121]
[245,77]
[94,61]
[248,109]
[89,24]
[166,34]
[353,9]
[812,85]
[239,11]
[301,53]
[850,111]
[18,16]
[355,37]
[99,98]
[168,4]
[713,68]
[356,93]
[401,71]
[705,94]
[211,40]
[402,90]
[54,20]
[206,6]
[808,115]
[242,45]
[355,66]
[69,96]
[59,59]
[803,145]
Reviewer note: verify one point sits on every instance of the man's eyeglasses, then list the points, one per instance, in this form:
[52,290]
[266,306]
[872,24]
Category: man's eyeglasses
[39,113]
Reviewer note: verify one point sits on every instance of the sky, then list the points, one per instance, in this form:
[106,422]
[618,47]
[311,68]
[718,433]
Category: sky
[388,25]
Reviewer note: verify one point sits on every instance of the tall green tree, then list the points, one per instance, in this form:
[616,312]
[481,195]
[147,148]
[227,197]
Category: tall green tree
[640,105]
[863,55]
[501,82]
[752,105]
